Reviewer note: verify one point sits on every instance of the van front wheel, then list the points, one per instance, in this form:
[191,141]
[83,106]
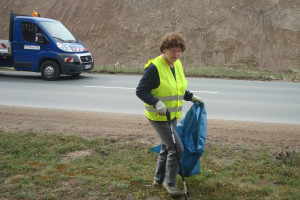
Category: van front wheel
[50,71]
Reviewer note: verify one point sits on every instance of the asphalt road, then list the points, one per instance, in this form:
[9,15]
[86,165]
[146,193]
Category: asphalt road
[257,101]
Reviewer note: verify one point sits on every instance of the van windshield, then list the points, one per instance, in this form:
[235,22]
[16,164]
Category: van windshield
[58,31]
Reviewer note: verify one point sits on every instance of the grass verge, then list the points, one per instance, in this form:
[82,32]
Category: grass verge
[231,72]
[52,166]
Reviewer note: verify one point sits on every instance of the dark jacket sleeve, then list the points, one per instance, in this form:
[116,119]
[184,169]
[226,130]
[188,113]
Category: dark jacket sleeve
[149,81]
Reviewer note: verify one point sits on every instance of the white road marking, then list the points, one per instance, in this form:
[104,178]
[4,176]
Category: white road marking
[211,92]
[125,88]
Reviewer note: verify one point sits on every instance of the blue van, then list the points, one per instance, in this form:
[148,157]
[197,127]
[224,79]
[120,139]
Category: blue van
[43,45]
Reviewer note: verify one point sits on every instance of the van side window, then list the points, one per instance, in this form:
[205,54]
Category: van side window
[29,30]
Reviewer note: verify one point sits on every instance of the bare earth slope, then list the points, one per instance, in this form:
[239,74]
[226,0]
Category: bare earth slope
[244,33]
[127,128]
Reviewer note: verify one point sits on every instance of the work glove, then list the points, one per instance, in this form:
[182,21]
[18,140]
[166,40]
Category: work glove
[161,108]
[197,99]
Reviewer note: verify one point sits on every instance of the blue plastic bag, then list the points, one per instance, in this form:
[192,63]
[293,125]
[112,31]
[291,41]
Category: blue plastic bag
[192,131]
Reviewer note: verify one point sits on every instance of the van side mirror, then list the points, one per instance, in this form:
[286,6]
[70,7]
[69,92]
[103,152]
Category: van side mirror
[40,38]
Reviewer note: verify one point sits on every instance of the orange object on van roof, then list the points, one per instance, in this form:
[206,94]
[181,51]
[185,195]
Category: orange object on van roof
[35,14]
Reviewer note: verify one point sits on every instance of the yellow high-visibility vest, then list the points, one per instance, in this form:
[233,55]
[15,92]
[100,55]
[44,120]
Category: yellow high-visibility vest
[170,91]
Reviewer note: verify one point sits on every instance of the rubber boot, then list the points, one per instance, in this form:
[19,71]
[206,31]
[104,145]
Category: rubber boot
[156,184]
[172,190]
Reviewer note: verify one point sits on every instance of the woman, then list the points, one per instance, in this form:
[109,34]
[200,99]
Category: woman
[163,87]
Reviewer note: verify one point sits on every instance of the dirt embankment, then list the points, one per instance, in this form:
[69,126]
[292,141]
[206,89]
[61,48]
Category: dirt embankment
[128,128]
[243,33]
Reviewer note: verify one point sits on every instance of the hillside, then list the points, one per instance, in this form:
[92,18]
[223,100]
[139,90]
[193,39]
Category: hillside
[244,33]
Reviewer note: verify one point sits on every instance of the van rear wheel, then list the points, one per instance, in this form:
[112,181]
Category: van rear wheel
[50,71]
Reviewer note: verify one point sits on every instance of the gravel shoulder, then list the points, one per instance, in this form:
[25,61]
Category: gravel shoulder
[128,128]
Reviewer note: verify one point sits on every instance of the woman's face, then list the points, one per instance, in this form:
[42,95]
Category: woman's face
[172,54]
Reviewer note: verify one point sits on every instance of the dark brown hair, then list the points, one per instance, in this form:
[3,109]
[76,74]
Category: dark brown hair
[171,40]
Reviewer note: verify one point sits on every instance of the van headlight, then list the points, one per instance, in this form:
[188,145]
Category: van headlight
[64,47]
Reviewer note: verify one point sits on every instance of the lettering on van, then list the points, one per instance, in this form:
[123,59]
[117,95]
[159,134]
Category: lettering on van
[32,47]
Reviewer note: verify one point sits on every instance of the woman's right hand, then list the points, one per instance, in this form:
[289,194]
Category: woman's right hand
[161,108]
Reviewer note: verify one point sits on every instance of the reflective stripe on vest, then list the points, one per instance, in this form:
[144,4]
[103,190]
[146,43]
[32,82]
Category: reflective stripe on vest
[170,91]
[174,109]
